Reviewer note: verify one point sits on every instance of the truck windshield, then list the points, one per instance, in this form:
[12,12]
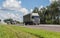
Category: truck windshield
[35,16]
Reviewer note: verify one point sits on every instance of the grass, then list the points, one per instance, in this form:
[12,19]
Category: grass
[8,32]
[22,32]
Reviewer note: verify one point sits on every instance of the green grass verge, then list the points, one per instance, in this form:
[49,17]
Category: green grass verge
[22,32]
[8,32]
[38,32]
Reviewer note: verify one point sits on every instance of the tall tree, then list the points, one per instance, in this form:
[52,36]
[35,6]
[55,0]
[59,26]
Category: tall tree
[42,15]
[55,11]
[35,10]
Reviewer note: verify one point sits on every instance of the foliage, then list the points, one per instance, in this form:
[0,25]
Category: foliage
[49,14]
[35,10]
[11,21]
[8,21]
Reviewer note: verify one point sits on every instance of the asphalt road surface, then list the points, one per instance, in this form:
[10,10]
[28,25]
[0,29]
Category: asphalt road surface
[55,28]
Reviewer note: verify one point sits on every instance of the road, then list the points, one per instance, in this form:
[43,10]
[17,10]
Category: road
[55,28]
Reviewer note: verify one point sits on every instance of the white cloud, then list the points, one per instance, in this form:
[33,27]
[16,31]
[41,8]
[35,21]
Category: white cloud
[40,7]
[14,5]
[13,16]
[24,10]
[10,15]
[19,2]
[31,10]
[11,3]
[0,8]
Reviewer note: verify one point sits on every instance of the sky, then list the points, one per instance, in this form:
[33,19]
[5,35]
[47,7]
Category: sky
[15,9]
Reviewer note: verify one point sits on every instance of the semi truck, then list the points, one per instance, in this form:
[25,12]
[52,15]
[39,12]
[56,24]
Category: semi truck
[31,19]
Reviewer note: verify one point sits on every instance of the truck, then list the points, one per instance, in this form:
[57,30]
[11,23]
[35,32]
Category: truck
[31,19]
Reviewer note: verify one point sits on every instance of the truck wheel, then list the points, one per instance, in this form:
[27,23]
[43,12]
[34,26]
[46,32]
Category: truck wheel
[34,24]
[38,24]
[25,23]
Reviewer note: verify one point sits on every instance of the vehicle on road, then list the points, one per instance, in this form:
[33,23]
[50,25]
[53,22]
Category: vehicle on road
[32,18]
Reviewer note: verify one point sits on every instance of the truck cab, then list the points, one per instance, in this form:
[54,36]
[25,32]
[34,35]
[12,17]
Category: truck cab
[35,18]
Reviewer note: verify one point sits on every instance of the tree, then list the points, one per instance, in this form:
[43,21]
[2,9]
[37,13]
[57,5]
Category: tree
[50,15]
[0,20]
[42,15]
[11,21]
[35,10]
[55,11]
[8,21]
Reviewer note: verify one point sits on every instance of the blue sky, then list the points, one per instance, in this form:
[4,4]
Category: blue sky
[15,9]
[30,4]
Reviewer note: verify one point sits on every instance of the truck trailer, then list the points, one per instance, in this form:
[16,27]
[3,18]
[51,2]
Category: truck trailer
[31,19]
